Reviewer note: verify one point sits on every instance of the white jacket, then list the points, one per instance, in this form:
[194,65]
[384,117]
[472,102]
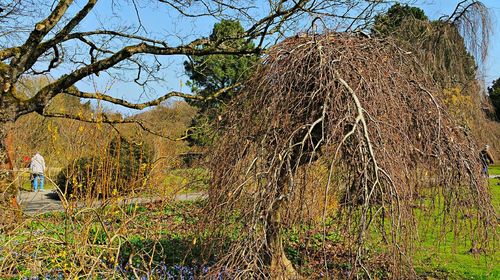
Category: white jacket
[37,165]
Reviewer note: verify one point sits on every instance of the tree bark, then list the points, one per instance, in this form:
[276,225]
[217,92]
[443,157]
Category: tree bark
[8,190]
[281,267]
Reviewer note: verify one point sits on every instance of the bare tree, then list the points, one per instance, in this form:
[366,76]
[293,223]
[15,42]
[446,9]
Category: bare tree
[366,108]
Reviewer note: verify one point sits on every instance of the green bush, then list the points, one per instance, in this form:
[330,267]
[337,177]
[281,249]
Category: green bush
[121,169]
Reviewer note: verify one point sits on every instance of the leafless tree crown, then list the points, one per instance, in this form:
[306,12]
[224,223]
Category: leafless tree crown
[367,110]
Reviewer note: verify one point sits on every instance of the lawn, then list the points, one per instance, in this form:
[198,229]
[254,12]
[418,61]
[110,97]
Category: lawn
[452,259]
[494,169]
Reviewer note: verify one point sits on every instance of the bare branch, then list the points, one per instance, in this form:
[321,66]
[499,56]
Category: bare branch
[155,102]
[28,55]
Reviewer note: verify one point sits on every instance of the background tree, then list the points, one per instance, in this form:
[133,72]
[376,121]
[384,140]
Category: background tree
[389,22]
[453,54]
[438,43]
[210,74]
[494,95]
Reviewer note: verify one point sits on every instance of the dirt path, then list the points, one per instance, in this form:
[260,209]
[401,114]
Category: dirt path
[33,203]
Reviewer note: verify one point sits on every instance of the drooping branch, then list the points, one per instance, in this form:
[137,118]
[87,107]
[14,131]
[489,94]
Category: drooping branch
[473,20]
[460,9]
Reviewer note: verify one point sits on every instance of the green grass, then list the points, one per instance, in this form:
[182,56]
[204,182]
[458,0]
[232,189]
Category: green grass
[441,256]
[186,180]
[495,193]
[451,259]
[494,169]
[446,264]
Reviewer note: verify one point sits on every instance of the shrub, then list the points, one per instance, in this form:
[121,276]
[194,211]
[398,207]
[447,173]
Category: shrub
[122,168]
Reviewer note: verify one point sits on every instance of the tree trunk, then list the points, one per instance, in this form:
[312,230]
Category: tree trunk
[280,266]
[4,158]
[8,190]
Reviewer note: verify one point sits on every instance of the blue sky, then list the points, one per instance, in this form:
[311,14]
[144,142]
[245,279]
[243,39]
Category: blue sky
[166,24]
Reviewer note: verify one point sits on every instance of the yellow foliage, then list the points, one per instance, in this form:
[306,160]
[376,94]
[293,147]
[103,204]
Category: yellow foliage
[312,200]
[460,105]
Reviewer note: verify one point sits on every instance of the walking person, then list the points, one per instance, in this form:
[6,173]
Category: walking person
[37,168]
[486,159]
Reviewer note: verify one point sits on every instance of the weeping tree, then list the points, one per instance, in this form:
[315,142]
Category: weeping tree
[452,47]
[368,110]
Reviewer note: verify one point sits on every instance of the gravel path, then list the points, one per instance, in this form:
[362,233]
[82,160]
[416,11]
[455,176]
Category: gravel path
[33,203]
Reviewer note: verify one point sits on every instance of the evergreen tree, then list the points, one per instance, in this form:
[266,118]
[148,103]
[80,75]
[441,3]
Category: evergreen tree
[210,74]
[390,21]
[494,94]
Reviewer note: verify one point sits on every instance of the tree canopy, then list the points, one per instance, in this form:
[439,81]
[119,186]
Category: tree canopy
[210,75]
[388,22]
[440,44]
